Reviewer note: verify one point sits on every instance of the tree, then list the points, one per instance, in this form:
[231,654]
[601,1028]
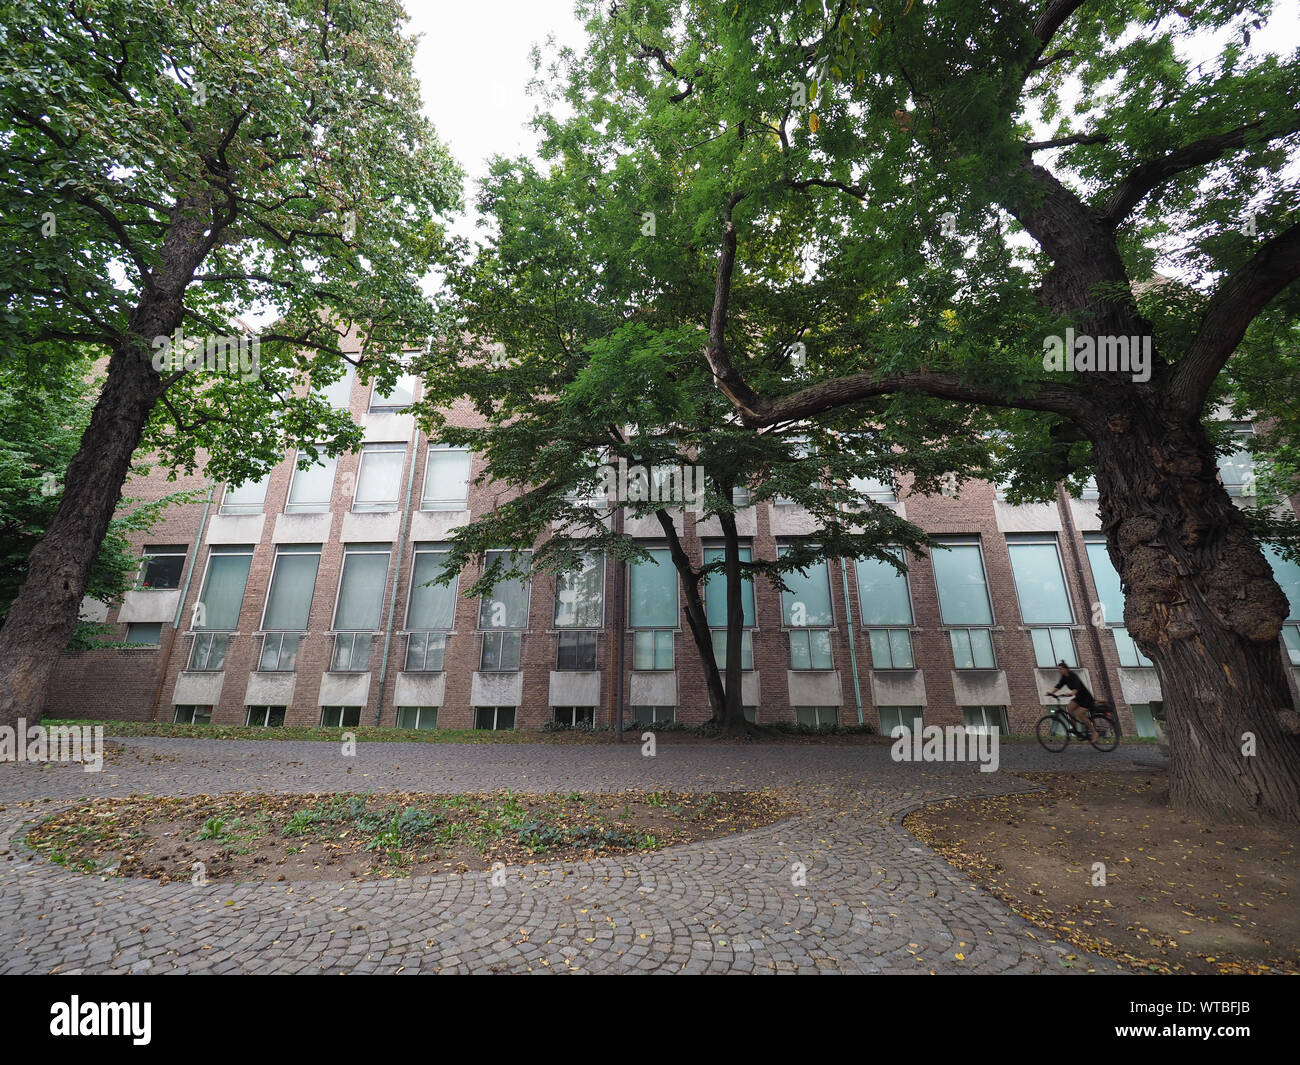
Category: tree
[167,167]
[592,385]
[40,430]
[907,132]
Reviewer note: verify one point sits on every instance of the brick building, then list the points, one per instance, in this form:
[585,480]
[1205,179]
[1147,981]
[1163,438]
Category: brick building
[303,600]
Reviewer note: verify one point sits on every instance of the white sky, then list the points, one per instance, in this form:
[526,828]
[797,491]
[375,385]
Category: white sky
[473,65]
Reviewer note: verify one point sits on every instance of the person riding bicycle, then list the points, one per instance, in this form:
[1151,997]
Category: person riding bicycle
[1081,700]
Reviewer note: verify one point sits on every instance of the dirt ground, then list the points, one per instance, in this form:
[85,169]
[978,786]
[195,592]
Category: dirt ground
[1177,896]
[245,838]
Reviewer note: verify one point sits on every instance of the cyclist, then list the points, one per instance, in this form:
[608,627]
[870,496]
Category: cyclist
[1081,700]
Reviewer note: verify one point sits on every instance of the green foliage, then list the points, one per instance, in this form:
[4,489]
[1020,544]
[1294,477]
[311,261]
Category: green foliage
[292,130]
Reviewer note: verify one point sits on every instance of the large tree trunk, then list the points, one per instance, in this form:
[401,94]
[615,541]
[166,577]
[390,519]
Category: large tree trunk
[43,616]
[1202,603]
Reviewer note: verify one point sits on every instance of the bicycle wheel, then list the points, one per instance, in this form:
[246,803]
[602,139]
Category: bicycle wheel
[1107,735]
[1052,733]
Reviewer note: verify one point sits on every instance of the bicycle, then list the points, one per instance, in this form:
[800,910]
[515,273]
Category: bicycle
[1057,726]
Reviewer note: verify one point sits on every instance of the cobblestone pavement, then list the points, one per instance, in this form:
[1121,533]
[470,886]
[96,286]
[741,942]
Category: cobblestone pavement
[874,900]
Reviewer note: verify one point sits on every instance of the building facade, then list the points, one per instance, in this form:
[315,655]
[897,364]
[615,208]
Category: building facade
[305,599]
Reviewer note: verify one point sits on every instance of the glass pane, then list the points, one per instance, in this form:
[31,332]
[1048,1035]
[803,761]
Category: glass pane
[246,498]
[580,596]
[1063,647]
[882,656]
[288,603]
[408,716]
[337,393]
[433,606]
[663,649]
[1105,577]
[1287,575]
[1291,637]
[882,594]
[1044,655]
[643,650]
[963,593]
[981,642]
[961,650]
[312,487]
[1040,584]
[507,606]
[402,393]
[380,477]
[900,643]
[715,591]
[162,571]
[799,655]
[361,592]
[652,592]
[808,602]
[144,634]
[446,479]
[223,590]
[820,647]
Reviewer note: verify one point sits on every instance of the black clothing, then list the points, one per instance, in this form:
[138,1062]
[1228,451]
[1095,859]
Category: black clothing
[1082,695]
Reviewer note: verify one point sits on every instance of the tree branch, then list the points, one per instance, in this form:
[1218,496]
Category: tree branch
[1234,305]
[1146,177]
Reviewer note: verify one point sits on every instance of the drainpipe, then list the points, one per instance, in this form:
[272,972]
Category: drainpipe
[180,606]
[848,614]
[1067,519]
[397,569]
[620,571]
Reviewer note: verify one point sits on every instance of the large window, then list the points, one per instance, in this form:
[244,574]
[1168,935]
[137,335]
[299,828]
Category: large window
[503,615]
[446,478]
[246,498]
[288,605]
[579,614]
[217,610]
[430,611]
[360,600]
[379,479]
[312,488]
[964,603]
[806,613]
[1287,574]
[162,566]
[338,393]
[715,608]
[886,608]
[1111,597]
[1044,601]
[652,610]
[399,397]
[1237,467]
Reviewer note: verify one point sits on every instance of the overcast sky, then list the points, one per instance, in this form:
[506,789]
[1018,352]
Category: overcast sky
[473,64]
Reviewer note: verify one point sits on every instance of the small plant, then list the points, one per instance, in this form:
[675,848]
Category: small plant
[214,828]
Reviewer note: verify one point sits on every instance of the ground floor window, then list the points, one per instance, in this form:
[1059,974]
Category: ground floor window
[266,716]
[892,717]
[494,717]
[421,717]
[193,715]
[652,649]
[810,648]
[1144,719]
[574,716]
[984,718]
[653,715]
[1053,645]
[144,633]
[751,714]
[340,716]
[817,716]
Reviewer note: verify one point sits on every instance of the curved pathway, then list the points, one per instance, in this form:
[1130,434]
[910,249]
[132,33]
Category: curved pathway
[870,898]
